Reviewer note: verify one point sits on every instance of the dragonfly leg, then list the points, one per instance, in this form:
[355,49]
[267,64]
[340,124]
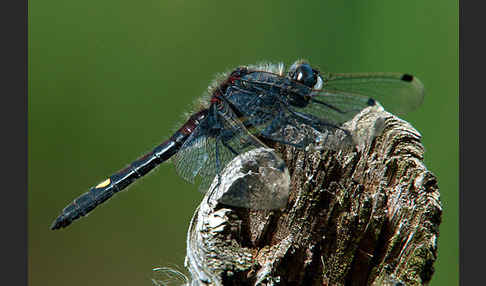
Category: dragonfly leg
[277,125]
[225,144]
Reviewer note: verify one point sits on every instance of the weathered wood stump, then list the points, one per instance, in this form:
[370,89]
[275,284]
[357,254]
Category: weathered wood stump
[367,215]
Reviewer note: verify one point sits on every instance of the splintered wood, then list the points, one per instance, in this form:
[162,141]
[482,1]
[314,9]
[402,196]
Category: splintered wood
[367,215]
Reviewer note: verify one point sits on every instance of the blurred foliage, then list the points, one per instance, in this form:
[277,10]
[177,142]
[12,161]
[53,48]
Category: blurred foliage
[108,80]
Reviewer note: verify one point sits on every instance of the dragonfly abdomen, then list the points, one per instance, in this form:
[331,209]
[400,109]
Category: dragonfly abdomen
[115,183]
[125,177]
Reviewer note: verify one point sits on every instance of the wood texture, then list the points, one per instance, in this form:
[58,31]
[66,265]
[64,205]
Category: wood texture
[367,215]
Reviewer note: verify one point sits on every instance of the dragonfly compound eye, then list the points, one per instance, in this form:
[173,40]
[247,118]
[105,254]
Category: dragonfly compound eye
[304,74]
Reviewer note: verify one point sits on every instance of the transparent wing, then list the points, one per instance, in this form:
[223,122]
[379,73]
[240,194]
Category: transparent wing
[212,145]
[344,95]
[193,155]
[268,114]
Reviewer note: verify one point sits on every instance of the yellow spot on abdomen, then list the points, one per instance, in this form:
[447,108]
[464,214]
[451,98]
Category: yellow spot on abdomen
[103,184]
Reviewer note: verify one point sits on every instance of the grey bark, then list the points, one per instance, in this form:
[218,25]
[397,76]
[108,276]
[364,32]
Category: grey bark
[367,215]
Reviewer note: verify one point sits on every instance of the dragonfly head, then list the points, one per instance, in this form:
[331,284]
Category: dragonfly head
[303,73]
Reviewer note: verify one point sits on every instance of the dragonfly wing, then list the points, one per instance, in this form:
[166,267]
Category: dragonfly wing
[193,155]
[265,114]
[212,145]
[343,96]
[268,113]
[399,93]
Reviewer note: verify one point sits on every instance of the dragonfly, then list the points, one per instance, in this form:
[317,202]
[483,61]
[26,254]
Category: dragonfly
[254,104]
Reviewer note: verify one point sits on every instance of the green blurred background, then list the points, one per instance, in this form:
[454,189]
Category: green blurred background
[108,80]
